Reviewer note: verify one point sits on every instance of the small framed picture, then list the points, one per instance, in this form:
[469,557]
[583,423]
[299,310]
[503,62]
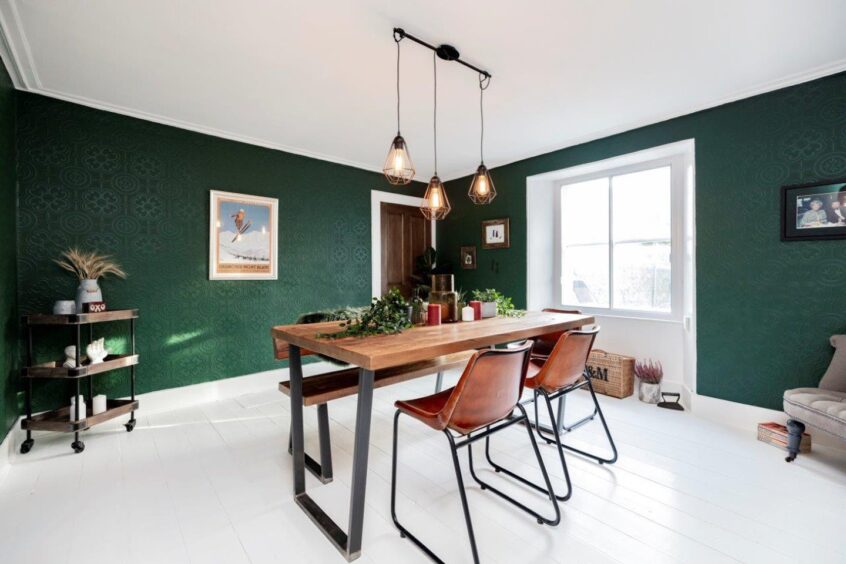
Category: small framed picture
[496,234]
[242,237]
[468,258]
[814,211]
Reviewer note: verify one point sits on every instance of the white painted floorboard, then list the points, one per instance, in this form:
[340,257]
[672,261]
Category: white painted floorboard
[213,484]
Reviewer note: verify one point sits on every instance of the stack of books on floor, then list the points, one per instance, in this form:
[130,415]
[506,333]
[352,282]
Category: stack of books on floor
[776,434]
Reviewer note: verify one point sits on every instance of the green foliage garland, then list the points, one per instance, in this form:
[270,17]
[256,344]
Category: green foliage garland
[387,315]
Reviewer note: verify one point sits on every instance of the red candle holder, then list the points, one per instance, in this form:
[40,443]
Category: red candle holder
[477,309]
[433,314]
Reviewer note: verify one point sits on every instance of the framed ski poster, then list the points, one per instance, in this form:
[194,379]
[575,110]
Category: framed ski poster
[243,236]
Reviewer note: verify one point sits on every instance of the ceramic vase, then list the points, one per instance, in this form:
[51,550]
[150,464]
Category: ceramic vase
[649,393]
[488,309]
[88,291]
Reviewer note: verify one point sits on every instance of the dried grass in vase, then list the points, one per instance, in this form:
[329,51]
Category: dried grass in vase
[89,265]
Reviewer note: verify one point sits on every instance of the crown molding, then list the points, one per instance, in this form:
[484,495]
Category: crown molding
[206,130]
[791,80]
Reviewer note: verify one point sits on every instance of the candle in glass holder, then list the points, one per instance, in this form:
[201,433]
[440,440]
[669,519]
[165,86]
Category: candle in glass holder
[433,314]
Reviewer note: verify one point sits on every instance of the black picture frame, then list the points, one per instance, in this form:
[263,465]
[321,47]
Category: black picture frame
[826,191]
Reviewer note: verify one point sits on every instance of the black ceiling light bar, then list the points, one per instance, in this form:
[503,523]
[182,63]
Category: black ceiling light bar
[445,52]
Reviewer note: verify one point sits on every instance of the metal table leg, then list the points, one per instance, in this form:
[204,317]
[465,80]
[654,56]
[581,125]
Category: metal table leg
[348,543]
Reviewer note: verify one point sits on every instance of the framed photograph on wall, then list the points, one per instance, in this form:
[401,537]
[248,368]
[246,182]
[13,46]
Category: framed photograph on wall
[243,237]
[814,211]
[496,234]
[467,257]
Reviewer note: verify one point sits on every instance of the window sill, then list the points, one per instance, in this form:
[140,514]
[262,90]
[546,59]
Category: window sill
[630,315]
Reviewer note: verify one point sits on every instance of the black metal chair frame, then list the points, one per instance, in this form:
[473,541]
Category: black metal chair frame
[468,440]
[556,431]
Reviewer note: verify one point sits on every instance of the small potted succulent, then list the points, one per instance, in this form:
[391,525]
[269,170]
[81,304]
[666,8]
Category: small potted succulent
[650,373]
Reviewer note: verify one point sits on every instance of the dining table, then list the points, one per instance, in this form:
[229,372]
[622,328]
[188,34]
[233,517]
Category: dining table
[370,354]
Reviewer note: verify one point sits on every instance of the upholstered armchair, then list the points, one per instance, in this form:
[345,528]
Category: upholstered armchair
[822,408]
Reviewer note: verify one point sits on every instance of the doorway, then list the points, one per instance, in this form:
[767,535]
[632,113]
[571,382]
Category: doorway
[399,234]
[406,234]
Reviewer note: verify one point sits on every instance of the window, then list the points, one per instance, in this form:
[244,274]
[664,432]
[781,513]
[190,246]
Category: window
[618,251]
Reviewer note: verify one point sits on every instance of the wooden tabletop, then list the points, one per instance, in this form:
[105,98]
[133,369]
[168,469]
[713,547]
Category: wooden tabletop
[423,343]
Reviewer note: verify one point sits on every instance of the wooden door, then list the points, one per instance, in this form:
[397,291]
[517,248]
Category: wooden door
[406,234]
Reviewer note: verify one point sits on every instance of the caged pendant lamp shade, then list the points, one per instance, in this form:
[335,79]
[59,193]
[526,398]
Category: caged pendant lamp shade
[435,202]
[398,169]
[482,190]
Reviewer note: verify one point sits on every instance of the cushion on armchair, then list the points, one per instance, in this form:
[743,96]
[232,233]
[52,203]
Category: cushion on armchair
[823,409]
[834,378]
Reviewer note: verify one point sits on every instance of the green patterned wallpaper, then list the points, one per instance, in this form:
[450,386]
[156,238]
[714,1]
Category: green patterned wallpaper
[8,282]
[140,191]
[765,308]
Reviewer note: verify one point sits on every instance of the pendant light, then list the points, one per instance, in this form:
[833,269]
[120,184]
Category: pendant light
[435,202]
[398,169]
[482,190]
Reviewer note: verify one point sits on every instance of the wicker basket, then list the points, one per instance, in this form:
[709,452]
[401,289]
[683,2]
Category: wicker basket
[611,374]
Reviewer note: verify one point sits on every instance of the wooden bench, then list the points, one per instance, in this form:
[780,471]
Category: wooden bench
[322,388]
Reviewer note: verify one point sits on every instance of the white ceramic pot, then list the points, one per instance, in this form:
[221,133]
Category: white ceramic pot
[488,309]
[649,393]
[88,291]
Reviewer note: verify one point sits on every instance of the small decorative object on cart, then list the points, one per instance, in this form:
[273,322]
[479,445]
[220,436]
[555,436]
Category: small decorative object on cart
[650,373]
[82,414]
[776,434]
[64,307]
[70,357]
[94,307]
[611,374]
[88,267]
[98,404]
[96,351]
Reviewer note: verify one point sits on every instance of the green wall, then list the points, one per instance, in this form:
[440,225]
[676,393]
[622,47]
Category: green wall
[765,308]
[140,191]
[8,282]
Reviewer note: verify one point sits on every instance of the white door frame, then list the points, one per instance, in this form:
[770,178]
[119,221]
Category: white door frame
[376,199]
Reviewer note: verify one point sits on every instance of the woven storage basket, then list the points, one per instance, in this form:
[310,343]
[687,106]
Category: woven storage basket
[611,374]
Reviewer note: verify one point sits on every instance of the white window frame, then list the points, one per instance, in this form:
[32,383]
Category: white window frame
[680,163]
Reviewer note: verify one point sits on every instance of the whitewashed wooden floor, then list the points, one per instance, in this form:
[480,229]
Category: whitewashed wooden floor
[213,484]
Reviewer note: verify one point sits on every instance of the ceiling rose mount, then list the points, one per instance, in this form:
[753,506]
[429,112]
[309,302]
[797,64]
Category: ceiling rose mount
[448,52]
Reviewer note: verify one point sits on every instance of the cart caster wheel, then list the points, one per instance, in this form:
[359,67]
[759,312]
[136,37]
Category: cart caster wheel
[78,446]
[26,446]
[130,426]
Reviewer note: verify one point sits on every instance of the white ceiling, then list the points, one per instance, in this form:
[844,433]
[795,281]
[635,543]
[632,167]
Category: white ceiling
[317,77]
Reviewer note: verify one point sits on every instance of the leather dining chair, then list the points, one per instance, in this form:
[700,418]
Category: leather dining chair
[562,372]
[481,404]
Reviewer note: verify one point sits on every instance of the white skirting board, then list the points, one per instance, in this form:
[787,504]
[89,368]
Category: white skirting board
[723,412]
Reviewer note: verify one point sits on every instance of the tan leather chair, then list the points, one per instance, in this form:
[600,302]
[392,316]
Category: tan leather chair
[560,373]
[481,404]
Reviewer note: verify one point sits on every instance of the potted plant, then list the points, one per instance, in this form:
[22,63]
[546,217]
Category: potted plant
[89,267]
[650,374]
[494,303]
